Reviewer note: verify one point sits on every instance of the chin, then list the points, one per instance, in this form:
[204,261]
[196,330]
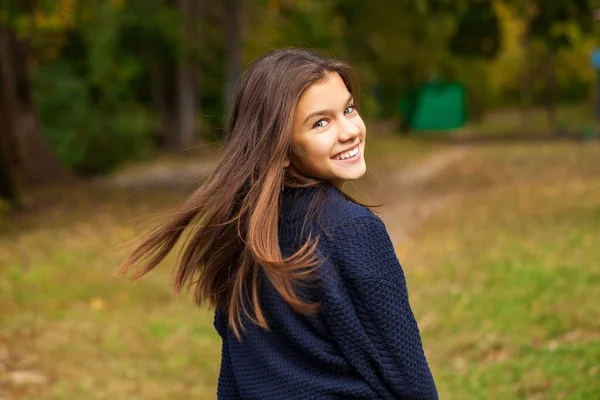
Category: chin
[353,176]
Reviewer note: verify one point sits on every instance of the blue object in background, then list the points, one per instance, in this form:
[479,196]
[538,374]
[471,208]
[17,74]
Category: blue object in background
[595,58]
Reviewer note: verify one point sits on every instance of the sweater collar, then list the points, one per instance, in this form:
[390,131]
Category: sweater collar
[295,201]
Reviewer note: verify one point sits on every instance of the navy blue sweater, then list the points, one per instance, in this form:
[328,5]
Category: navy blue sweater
[364,342]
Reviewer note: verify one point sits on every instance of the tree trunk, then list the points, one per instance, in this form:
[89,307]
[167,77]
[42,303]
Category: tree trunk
[187,82]
[8,188]
[164,100]
[526,75]
[26,153]
[234,45]
[551,92]
[186,113]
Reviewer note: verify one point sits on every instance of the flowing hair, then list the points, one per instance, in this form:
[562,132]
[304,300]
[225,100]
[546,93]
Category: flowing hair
[233,216]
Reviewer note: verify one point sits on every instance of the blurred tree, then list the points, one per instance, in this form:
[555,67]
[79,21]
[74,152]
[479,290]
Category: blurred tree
[234,51]
[549,23]
[550,27]
[478,31]
[26,154]
[525,11]
[396,45]
[476,39]
[153,43]
[89,89]
[187,77]
[8,188]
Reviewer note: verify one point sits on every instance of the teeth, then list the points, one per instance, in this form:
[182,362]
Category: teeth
[347,154]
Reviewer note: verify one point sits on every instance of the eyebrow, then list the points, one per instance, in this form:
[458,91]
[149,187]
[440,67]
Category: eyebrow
[324,112]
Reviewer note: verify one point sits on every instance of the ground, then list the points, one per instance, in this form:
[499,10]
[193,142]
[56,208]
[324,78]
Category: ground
[499,242]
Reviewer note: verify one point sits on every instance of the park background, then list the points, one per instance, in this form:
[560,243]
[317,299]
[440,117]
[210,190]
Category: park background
[112,111]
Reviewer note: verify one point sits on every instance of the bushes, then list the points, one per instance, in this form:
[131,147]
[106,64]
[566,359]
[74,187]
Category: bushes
[90,134]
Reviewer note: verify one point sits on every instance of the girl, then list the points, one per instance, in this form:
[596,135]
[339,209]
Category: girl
[310,299]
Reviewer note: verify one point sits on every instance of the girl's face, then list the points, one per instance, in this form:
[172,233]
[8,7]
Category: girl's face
[328,141]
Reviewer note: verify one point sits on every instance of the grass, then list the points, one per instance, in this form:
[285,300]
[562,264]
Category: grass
[504,283]
[92,336]
[506,280]
[509,122]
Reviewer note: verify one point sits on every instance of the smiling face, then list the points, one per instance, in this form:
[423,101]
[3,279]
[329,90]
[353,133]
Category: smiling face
[328,140]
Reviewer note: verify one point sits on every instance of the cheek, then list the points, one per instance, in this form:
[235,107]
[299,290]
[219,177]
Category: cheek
[314,150]
[322,148]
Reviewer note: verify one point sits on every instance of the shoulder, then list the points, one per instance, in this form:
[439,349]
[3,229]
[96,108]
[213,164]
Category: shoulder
[327,210]
[338,212]
[358,244]
[346,224]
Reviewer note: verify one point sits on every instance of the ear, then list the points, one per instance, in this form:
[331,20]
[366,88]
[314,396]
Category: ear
[286,163]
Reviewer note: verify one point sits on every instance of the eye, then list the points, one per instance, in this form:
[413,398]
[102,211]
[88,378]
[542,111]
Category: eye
[322,123]
[349,110]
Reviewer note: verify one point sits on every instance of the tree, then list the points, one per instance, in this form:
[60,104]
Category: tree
[8,189]
[234,49]
[550,26]
[26,155]
[396,45]
[187,78]
[549,23]
[477,39]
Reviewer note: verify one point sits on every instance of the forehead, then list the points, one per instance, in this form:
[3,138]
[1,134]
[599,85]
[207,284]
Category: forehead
[329,93]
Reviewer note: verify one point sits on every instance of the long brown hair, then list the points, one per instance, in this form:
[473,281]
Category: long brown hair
[233,216]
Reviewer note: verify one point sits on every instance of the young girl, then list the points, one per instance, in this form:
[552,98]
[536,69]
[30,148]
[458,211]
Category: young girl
[310,299]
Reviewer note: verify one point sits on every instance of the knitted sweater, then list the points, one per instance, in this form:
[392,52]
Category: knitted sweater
[363,343]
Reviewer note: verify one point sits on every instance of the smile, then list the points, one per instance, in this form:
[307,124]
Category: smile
[350,155]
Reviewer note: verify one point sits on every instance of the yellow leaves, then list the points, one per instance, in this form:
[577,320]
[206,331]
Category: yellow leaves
[97,304]
[118,4]
[61,17]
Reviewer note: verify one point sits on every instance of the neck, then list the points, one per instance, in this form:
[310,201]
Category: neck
[338,183]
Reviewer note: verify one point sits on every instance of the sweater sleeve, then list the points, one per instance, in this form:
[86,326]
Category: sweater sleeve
[378,332]
[226,385]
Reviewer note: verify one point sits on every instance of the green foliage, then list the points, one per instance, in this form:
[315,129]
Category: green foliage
[550,18]
[90,135]
[478,33]
[100,66]
[94,101]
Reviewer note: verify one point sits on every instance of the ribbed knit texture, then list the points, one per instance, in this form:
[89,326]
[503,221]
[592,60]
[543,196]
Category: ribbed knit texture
[363,344]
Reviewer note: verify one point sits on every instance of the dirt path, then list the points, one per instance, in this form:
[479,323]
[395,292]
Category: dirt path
[180,175]
[407,205]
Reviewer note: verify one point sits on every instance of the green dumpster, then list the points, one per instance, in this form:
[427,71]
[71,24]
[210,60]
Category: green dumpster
[435,106]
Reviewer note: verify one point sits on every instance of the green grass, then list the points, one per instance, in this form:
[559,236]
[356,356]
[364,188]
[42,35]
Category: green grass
[505,283]
[509,122]
[93,336]
[506,280]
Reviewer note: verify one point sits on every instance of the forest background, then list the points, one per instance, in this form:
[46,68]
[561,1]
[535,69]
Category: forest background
[112,111]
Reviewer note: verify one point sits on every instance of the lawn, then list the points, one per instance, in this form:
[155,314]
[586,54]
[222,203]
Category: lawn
[505,283]
[570,119]
[506,280]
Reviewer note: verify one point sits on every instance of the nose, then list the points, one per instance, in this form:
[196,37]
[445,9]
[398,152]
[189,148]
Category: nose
[348,130]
